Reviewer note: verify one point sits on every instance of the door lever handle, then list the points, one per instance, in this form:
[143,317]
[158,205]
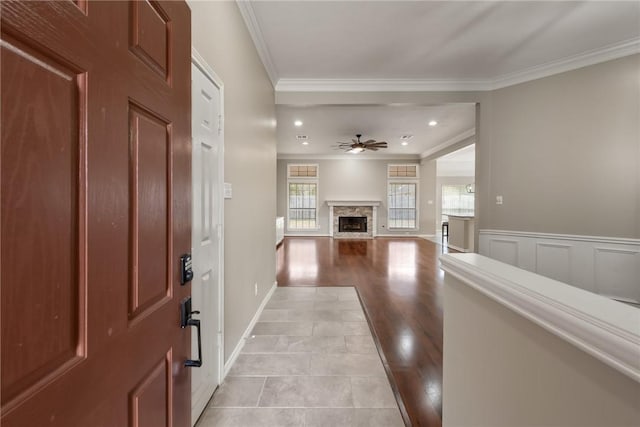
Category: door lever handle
[187,320]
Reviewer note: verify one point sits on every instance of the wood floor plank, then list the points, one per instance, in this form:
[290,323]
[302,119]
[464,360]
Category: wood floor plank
[400,284]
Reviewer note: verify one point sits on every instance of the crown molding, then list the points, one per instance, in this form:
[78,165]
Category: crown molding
[251,22]
[347,156]
[608,53]
[458,138]
[592,57]
[381,85]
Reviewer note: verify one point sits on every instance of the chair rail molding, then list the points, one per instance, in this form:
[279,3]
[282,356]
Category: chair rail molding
[609,266]
[606,329]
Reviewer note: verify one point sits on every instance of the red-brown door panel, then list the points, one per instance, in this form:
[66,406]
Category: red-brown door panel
[95,173]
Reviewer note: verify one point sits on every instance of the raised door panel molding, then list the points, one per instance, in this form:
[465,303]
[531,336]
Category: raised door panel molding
[617,273]
[504,250]
[554,261]
[43,210]
[604,265]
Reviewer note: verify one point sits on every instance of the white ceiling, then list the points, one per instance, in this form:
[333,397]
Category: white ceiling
[421,45]
[325,125]
[465,154]
[435,40]
[461,162]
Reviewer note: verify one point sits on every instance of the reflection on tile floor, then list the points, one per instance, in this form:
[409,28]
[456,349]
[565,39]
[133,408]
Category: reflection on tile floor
[310,361]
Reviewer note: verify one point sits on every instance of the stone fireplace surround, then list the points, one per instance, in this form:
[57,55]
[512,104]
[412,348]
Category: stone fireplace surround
[367,208]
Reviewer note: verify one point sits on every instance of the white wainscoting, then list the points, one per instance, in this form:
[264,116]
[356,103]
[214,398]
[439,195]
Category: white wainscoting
[607,266]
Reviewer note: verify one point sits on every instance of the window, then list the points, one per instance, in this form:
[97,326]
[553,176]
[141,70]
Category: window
[401,171]
[403,190]
[456,199]
[302,197]
[402,205]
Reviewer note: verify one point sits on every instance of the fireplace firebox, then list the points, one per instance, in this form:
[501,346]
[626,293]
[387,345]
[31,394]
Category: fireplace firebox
[352,224]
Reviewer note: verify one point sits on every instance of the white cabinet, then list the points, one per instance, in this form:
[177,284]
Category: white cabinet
[279,229]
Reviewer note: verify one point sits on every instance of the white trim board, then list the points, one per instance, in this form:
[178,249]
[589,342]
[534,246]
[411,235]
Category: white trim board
[609,266]
[466,135]
[606,329]
[347,156]
[251,22]
[306,235]
[238,348]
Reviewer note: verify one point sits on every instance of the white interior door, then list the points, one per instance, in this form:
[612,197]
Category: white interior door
[206,236]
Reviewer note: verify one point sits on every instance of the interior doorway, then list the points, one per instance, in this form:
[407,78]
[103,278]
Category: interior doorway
[455,190]
[207,230]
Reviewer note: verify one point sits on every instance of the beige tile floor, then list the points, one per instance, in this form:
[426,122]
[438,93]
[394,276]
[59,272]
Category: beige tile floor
[310,361]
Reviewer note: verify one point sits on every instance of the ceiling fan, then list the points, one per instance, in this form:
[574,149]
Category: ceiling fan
[357,146]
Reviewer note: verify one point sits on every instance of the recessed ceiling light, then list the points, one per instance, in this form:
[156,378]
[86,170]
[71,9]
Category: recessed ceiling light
[433,123]
[404,143]
[305,142]
[298,123]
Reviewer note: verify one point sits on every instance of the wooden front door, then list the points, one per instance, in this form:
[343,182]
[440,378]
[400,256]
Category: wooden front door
[95,213]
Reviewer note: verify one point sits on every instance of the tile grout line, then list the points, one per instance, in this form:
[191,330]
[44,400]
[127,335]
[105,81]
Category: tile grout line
[261,391]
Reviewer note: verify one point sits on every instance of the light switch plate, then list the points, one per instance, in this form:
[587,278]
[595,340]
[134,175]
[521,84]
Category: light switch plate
[498,200]
[228,190]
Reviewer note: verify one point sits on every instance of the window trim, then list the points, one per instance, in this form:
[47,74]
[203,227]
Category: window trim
[414,181]
[304,180]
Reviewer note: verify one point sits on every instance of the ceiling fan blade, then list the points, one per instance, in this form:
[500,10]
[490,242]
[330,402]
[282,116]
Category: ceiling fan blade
[370,148]
[378,144]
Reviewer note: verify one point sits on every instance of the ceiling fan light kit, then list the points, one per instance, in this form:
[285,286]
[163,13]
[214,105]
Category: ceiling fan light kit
[357,146]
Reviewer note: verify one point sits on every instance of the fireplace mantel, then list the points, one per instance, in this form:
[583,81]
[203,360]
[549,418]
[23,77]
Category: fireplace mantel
[373,204]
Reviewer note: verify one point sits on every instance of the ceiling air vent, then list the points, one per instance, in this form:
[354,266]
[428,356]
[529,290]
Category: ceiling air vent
[406,137]
[301,137]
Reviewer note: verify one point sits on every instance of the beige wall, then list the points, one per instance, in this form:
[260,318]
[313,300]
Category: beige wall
[564,151]
[501,370]
[428,169]
[359,179]
[220,36]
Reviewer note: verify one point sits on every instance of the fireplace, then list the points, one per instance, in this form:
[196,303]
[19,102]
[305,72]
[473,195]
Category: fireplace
[353,219]
[352,224]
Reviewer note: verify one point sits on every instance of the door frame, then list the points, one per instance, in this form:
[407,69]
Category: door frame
[202,65]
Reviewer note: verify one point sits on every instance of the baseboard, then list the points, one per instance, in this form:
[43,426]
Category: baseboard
[424,236]
[306,235]
[236,351]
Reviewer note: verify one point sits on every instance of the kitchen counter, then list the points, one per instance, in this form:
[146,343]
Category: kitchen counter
[461,232]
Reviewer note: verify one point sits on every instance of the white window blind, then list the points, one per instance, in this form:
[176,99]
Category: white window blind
[401,171]
[402,205]
[456,200]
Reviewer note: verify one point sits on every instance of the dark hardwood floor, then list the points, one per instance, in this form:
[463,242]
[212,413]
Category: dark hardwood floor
[400,285]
